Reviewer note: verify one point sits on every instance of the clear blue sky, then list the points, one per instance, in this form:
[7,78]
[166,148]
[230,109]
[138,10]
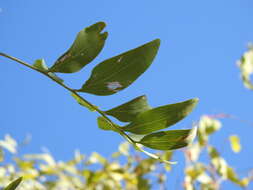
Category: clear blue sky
[201,41]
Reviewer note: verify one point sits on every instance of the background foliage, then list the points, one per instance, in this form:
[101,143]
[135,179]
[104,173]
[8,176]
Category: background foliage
[126,168]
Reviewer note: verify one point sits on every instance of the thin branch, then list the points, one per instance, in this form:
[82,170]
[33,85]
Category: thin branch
[116,128]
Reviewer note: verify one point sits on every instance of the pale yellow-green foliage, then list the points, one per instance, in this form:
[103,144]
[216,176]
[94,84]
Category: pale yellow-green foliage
[212,173]
[246,67]
[125,169]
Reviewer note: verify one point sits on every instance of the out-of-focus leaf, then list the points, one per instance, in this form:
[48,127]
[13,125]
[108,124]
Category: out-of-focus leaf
[1,155]
[244,182]
[96,158]
[235,143]
[82,103]
[195,171]
[160,117]
[9,144]
[143,184]
[117,73]
[145,166]
[169,140]
[124,148]
[204,178]
[207,126]
[13,185]
[24,165]
[87,45]
[232,176]
[246,67]
[104,124]
[46,157]
[218,162]
[192,152]
[41,65]
[213,153]
[127,112]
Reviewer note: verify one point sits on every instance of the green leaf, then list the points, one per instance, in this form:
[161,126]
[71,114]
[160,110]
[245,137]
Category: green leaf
[160,117]
[87,45]
[13,185]
[143,184]
[232,176]
[117,73]
[128,111]
[235,143]
[104,124]
[41,65]
[81,102]
[213,153]
[169,140]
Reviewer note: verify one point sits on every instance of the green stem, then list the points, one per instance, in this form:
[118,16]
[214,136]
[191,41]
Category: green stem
[72,91]
[116,128]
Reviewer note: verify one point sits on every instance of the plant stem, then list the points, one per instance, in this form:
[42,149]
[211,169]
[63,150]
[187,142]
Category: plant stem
[72,91]
[120,131]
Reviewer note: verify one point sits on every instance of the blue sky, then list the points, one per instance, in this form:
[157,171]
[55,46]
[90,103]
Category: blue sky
[200,43]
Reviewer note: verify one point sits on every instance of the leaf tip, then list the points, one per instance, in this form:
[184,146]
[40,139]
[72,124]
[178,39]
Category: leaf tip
[157,41]
[99,26]
[195,100]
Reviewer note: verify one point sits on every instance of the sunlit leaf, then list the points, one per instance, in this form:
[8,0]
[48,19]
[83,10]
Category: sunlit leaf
[82,102]
[246,67]
[160,117]
[218,162]
[232,176]
[117,73]
[168,140]
[195,171]
[124,148]
[128,111]
[244,182]
[235,143]
[96,158]
[9,144]
[207,126]
[13,185]
[87,45]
